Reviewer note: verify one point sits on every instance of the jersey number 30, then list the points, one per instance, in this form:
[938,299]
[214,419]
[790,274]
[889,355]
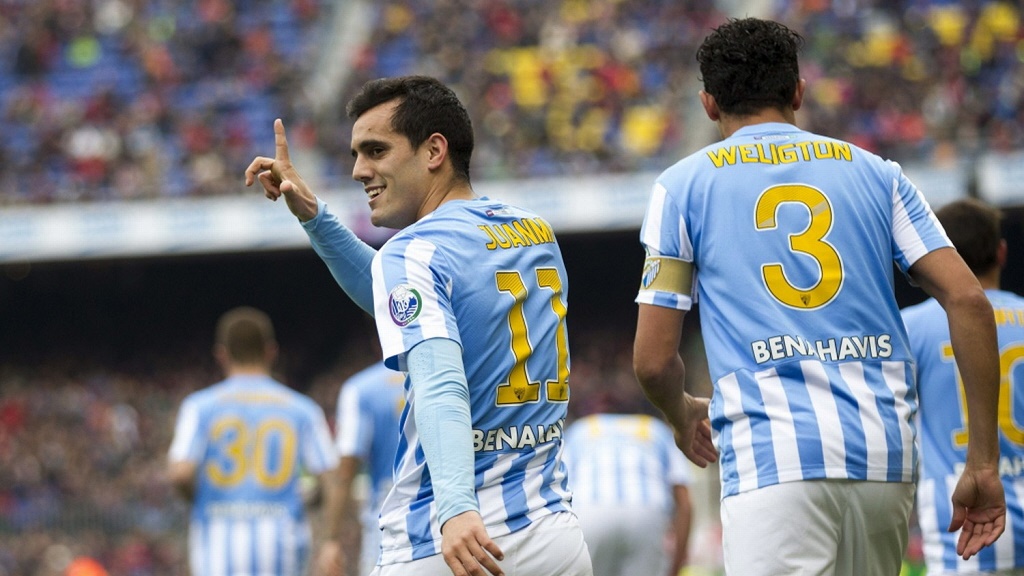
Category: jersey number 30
[250,451]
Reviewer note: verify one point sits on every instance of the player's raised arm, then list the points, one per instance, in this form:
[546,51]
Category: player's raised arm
[280,178]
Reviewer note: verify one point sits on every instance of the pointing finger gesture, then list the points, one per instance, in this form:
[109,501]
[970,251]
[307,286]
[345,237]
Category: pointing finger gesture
[279,178]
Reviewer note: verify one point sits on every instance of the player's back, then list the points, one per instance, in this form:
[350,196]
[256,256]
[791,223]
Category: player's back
[798,244]
[504,281]
[252,439]
[943,425]
[255,430]
[793,237]
[623,460]
[498,287]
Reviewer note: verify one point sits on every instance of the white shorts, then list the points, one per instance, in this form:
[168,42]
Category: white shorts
[817,528]
[551,546]
[624,540]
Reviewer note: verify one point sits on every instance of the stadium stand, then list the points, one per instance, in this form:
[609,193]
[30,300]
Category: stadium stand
[119,99]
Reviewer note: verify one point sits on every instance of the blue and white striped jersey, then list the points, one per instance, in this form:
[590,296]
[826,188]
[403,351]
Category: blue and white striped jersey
[490,277]
[943,425]
[252,439]
[369,406]
[792,237]
[624,459]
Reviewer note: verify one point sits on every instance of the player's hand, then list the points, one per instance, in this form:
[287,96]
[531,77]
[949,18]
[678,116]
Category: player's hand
[693,431]
[979,510]
[466,547]
[331,560]
[279,178]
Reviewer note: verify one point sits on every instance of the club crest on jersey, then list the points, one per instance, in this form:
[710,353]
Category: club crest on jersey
[405,304]
[651,268]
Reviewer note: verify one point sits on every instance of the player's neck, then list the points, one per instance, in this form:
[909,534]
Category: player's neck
[990,279]
[729,124]
[455,191]
[247,370]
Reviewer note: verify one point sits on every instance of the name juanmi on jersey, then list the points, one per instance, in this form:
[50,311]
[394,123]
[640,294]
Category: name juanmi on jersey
[517,233]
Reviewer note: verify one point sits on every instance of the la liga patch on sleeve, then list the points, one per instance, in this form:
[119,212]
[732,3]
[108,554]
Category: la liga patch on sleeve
[405,304]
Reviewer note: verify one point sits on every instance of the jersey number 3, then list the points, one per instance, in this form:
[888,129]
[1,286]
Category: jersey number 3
[810,242]
[517,387]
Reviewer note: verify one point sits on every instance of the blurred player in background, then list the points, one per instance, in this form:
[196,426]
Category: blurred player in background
[789,238]
[630,490]
[974,229]
[369,406]
[239,450]
[470,300]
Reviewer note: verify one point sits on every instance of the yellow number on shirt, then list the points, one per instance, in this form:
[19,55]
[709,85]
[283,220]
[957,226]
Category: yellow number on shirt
[558,390]
[518,388]
[249,452]
[229,434]
[1009,358]
[810,242]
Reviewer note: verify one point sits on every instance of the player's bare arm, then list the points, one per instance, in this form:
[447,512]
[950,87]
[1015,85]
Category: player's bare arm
[979,505]
[182,475]
[331,559]
[979,510]
[660,371]
[280,178]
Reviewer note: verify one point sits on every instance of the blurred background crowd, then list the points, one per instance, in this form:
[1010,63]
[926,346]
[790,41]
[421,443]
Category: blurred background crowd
[121,99]
[106,100]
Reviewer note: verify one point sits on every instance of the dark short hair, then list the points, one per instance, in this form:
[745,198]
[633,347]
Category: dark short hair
[427,107]
[245,332]
[750,64]
[974,228]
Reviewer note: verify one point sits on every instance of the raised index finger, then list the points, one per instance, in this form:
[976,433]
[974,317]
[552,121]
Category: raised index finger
[280,142]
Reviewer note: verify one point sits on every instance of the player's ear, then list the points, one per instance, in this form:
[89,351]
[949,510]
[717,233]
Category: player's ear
[271,351]
[437,150]
[710,106]
[798,96]
[220,354]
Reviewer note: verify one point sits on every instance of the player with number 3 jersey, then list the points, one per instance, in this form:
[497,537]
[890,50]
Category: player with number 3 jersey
[787,240]
[803,334]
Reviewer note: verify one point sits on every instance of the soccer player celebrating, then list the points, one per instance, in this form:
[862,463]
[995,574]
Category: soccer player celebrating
[973,227]
[788,240]
[469,298]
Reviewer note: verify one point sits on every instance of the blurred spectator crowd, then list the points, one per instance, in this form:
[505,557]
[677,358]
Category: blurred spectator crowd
[82,464]
[121,99]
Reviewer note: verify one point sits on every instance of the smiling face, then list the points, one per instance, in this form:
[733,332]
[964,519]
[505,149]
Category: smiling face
[394,176]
